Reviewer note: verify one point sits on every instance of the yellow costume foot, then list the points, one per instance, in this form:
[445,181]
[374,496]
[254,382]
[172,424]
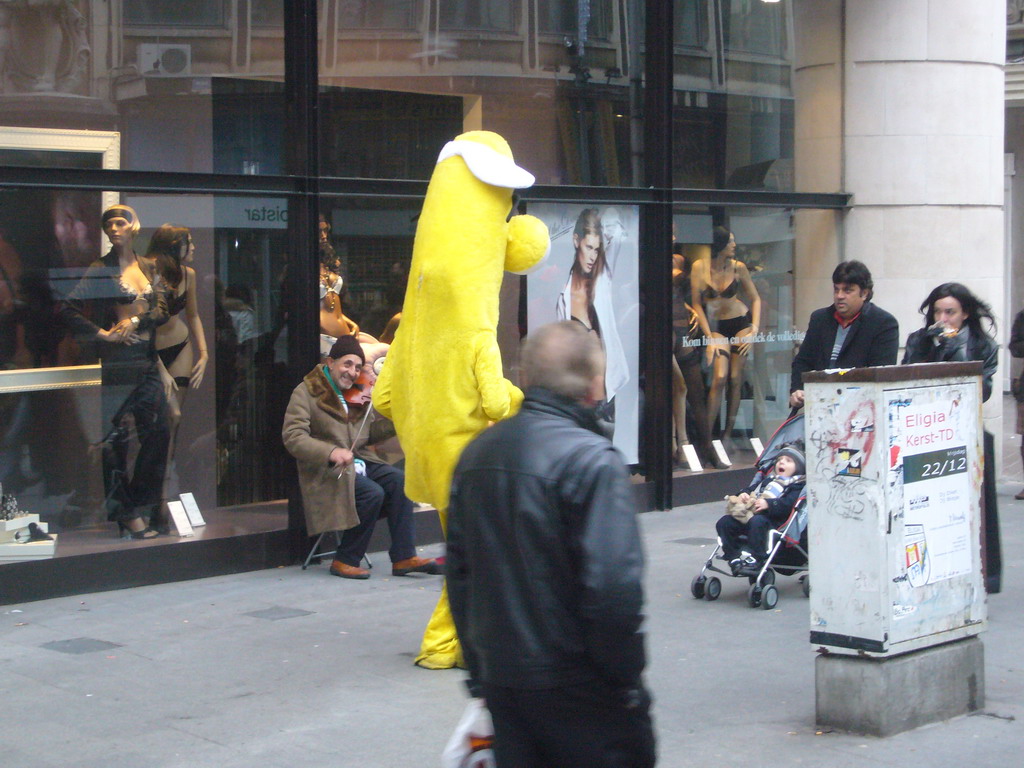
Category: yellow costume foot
[441,661]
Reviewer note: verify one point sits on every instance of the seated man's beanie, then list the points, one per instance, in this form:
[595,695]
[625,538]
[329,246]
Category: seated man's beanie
[347,345]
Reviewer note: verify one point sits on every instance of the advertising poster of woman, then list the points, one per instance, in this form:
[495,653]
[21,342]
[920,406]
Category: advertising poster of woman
[591,278]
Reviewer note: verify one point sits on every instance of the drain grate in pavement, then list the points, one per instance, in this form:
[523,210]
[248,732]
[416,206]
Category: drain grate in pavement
[80,645]
[278,612]
[695,541]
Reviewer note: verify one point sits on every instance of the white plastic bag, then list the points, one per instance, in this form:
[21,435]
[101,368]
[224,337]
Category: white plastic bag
[470,744]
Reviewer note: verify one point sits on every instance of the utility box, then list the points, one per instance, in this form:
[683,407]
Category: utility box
[894,486]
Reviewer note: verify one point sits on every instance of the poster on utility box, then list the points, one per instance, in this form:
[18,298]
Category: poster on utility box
[928,436]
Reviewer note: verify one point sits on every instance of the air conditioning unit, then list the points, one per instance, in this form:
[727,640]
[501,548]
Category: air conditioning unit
[165,60]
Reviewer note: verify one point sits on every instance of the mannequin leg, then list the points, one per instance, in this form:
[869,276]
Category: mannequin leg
[696,397]
[719,377]
[440,648]
[736,367]
[678,410]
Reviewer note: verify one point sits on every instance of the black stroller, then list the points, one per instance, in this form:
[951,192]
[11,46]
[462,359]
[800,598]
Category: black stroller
[786,547]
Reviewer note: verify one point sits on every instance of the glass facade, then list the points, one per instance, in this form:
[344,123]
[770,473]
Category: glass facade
[201,116]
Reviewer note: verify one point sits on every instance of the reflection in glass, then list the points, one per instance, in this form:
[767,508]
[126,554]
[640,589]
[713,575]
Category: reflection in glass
[733,114]
[178,12]
[557,85]
[563,17]
[183,85]
[377,14]
[489,15]
[756,27]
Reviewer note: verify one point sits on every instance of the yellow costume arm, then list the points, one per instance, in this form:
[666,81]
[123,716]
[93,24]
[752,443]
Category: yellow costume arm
[499,397]
[381,396]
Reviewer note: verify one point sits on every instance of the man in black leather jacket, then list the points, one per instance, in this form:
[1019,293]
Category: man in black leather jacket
[545,571]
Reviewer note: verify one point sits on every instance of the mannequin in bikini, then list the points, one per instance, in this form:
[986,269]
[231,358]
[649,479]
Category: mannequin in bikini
[716,287]
[181,341]
[333,321]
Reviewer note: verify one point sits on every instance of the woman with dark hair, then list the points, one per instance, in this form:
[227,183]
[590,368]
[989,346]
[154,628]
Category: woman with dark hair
[716,287]
[181,344]
[953,330]
[587,300]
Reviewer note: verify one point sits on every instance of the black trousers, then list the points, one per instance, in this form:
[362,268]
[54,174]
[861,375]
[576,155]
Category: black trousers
[569,727]
[133,388]
[380,493]
[993,553]
[756,531]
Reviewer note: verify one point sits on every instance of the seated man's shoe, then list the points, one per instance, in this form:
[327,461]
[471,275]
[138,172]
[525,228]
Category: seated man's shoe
[347,571]
[1019,496]
[416,565]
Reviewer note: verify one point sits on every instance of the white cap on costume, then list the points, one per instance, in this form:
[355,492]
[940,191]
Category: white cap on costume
[488,165]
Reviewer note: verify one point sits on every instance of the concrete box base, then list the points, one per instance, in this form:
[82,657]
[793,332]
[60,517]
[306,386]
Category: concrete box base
[881,697]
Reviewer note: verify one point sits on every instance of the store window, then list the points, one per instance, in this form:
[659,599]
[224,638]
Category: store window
[734,334]
[733,115]
[197,13]
[116,405]
[267,13]
[691,22]
[394,93]
[368,244]
[378,14]
[562,17]
[481,15]
[755,27]
[183,85]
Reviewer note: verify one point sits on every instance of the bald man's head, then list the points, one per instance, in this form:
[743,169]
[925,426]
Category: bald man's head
[565,358]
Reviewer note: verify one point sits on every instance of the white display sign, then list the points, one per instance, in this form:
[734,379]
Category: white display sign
[195,517]
[180,518]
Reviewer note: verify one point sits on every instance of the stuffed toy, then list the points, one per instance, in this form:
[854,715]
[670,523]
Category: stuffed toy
[740,509]
[442,382]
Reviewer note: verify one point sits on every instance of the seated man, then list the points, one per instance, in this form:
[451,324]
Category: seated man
[344,485]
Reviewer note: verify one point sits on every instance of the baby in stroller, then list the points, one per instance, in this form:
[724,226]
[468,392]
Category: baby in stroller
[762,505]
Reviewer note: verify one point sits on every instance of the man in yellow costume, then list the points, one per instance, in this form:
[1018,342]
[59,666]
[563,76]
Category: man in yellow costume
[442,382]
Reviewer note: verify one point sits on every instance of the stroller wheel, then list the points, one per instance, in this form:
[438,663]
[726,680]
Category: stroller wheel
[805,585]
[712,588]
[769,597]
[754,596]
[697,586]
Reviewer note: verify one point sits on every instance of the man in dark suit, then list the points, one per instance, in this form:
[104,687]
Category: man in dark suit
[851,333]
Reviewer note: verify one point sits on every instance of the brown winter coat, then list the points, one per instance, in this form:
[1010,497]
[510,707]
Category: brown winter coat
[314,425]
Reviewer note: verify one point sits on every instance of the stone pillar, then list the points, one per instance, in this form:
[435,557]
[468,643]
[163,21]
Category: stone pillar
[818,93]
